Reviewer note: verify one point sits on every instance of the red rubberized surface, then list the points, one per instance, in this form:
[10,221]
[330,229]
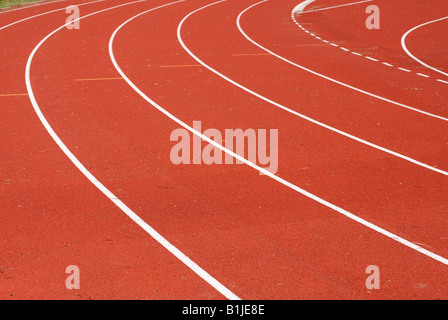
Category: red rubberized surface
[257,237]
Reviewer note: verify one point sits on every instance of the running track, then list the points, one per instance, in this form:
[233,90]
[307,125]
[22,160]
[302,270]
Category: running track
[363,139]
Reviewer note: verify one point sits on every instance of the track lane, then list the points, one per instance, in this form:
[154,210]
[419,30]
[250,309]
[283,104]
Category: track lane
[51,214]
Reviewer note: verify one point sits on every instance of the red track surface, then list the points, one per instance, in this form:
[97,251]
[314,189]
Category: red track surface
[257,237]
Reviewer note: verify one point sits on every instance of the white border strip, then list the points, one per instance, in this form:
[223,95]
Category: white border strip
[153,233]
[254,166]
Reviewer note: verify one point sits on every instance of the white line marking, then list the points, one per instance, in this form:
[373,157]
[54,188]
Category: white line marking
[423,75]
[264,171]
[440,80]
[153,233]
[44,13]
[356,53]
[387,64]
[302,6]
[403,69]
[370,58]
[403,45]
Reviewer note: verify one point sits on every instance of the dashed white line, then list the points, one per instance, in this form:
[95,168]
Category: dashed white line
[299,9]
[370,58]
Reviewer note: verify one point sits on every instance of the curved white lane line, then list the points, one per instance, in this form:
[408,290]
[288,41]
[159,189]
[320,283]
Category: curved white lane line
[396,154]
[424,165]
[256,167]
[299,9]
[6,10]
[45,13]
[403,45]
[152,232]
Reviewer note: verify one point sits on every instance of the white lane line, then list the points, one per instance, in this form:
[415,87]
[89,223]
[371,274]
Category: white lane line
[421,164]
[308,118]
[423,75]
[264,171]
[403,45]
[370,58]
[6,10]
[45,13]
[299,9]
[403,69]
[153,233]
[387,64]
[303,116]
[193,266]
[440,80]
